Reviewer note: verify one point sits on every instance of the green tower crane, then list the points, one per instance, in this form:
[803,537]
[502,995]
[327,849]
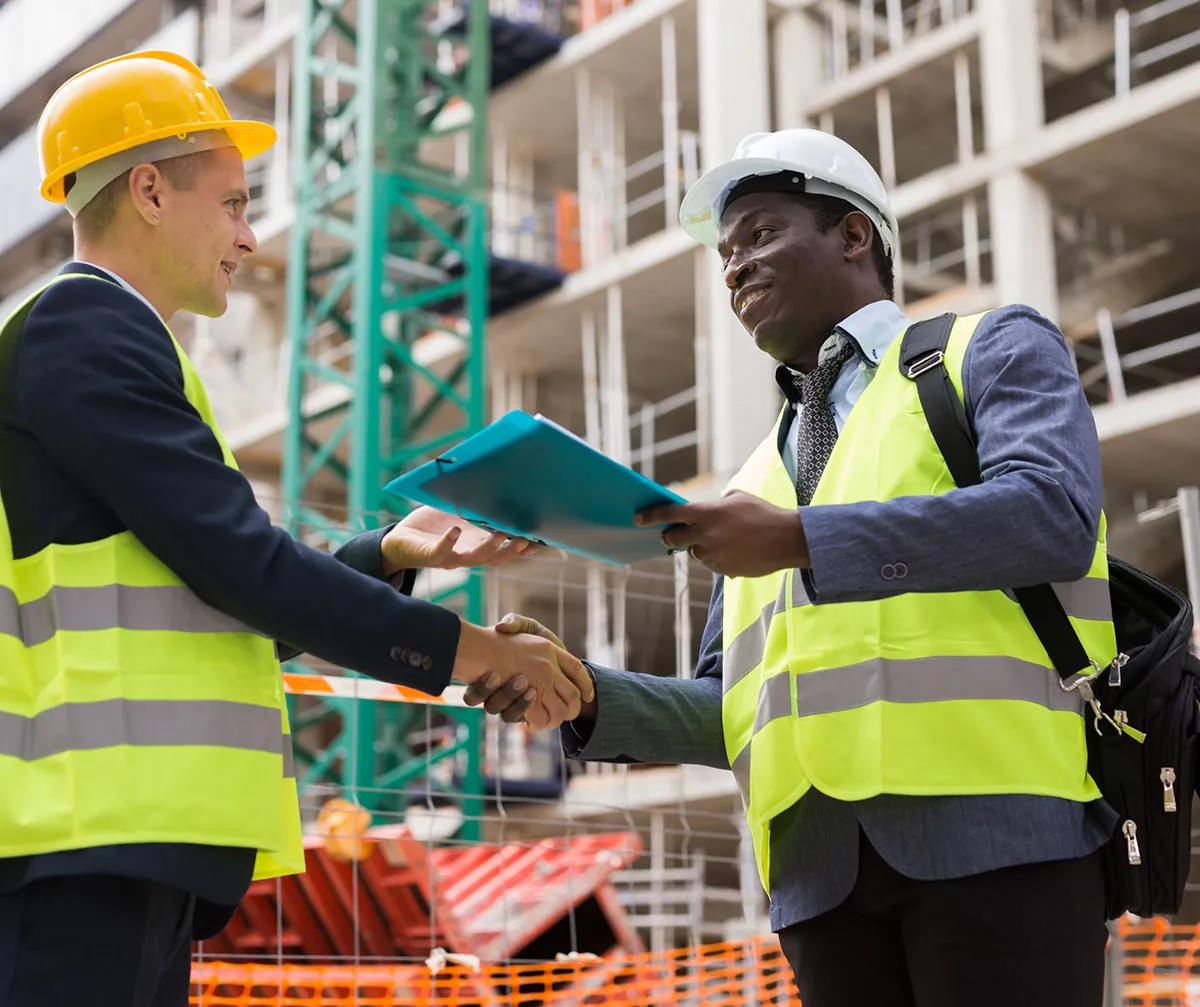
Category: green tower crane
[389,245]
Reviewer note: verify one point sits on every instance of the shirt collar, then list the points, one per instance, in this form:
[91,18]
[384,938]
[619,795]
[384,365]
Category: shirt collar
[871,330]
[120,280]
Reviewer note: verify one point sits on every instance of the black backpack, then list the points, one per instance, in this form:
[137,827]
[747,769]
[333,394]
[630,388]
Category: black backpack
[1144,718]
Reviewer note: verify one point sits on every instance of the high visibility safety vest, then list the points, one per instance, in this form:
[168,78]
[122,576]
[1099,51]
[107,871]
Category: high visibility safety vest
[130,710]
[915,694]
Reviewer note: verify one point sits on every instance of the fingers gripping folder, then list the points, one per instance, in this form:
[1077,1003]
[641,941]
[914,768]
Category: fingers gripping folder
[527,476]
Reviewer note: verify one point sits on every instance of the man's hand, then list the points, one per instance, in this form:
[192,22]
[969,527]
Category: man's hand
[511,700]
[555,682]
[428,538]
[737,536]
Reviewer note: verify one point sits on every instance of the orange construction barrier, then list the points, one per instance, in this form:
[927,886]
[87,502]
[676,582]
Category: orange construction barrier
[718,975]
[566,232]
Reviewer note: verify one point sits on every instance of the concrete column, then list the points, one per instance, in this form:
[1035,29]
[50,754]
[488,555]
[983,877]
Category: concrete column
[797,59]
[742,400]
[1022,226]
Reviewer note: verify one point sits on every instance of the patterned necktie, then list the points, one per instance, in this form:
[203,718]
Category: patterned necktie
[818,429]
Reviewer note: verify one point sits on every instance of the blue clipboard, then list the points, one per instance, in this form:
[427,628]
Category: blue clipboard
[527,476]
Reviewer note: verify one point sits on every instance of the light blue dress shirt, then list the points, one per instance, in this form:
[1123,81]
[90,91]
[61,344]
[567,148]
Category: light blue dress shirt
[871,329]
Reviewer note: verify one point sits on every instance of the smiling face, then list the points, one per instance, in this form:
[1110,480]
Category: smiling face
[791,280]
[203,233]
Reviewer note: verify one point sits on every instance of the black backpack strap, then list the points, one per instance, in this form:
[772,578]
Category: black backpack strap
[923,360]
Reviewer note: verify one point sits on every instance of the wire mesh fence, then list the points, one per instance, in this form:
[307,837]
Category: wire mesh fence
[455,859]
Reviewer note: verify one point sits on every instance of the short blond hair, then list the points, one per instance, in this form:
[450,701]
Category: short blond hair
[97,216]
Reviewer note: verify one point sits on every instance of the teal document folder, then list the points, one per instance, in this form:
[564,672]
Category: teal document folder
[527,476]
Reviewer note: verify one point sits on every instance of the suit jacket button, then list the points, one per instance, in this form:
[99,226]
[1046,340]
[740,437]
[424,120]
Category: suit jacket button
[396,654]
[414,659]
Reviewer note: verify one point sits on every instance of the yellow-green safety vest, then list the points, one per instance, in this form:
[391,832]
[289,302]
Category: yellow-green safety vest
[928,694]
[130,710]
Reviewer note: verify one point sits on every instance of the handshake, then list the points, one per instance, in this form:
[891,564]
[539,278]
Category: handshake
[521,671]
[518,668]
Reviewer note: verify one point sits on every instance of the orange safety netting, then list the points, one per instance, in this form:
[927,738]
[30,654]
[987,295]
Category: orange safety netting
[1161,964]
[752,971]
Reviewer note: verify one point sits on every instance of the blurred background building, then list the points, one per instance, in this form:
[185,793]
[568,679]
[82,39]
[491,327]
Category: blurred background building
[1040,151]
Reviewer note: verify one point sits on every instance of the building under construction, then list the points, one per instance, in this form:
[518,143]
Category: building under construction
[472,209]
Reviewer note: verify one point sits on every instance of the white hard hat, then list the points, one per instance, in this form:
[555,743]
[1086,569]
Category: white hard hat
[824,165]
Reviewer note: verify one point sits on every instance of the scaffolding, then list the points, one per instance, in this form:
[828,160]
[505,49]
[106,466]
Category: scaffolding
[386,244]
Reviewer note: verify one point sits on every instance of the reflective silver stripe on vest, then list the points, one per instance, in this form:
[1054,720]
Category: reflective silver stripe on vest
[741,773]
[1082,599]
[774,701]
[113,606]
[746,651]
[289,759]
[920,680]
[799,591]
[143,722]
[1086,599]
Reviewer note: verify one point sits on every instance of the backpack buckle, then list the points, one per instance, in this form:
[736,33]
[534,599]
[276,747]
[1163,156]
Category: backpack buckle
[1075,681]
[925,363]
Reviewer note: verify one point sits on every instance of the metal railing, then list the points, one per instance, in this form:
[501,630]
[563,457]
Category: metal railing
[1109,364]
[644,421]
[606,231]
[933,257]
[1127,61]
[688,170]
[857,33]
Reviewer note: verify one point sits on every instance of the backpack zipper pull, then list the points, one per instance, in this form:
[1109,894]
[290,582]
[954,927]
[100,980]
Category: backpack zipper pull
[1168,781]
[1131,843]
[1114,671]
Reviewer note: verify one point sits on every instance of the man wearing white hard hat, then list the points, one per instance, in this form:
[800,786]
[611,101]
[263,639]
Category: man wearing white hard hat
[145,757]
[915,782]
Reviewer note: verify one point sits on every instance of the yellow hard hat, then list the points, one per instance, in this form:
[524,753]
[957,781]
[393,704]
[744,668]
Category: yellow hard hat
[130,101]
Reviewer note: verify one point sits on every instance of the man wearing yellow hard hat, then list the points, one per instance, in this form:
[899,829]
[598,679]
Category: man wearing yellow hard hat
[145,759]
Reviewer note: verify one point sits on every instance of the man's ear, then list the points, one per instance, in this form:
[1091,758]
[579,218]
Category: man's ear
[858,233]
[146,191]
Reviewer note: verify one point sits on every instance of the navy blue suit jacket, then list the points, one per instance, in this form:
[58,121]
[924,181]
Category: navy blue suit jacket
[97,437]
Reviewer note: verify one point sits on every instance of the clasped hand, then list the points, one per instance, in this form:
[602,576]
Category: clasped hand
[737,536]
[535,677]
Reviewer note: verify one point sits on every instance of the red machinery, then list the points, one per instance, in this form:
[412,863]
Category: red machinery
[524,901]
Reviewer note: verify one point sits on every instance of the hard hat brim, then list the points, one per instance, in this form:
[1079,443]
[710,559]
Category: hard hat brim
[700,211]
[249,137]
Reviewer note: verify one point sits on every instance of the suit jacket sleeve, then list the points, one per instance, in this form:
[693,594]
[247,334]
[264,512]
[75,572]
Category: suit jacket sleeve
[100,386]
[645,718]
[364,554]
[1033,519]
